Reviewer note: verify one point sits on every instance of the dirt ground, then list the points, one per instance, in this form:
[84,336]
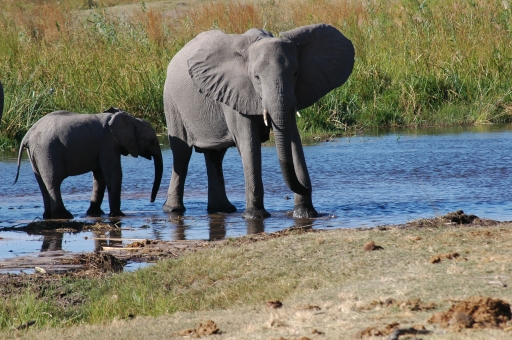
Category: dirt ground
[317,315]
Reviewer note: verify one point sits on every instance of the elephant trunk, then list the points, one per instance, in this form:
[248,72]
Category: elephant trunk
[283,136]
[159,169]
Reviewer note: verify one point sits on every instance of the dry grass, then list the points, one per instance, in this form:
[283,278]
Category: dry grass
[418,63]
[330,287]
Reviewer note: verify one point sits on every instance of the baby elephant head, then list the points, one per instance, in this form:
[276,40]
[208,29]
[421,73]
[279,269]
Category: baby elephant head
[137,138]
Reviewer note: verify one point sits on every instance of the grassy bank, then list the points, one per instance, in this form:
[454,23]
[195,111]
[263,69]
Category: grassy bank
[439,62]
[330,281]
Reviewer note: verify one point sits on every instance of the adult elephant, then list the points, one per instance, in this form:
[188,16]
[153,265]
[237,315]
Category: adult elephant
[226,90]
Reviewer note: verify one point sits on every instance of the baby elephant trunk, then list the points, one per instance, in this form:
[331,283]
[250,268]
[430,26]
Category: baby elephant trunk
[159,169]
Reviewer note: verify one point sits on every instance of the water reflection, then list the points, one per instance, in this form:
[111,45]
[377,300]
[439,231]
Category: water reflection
[217,226]
[52,240]
[111,238]
[255,226]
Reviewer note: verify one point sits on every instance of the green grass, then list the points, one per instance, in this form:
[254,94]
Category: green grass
[439,62]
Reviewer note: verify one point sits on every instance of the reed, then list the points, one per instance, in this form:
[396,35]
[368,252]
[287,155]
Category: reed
[418,63]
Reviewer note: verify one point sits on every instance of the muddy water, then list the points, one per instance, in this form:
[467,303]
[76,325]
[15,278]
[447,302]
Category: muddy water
[360,181]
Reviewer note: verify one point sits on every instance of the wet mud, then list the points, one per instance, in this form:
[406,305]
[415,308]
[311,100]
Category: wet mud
[149,251]
[451,219]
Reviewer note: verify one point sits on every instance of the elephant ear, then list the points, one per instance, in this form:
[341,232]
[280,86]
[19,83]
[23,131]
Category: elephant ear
[124,131]
[218,69]
[326,59]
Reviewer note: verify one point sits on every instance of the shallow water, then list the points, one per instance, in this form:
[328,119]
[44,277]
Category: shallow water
[361,181]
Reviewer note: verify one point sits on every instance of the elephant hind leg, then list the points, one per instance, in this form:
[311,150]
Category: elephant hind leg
[181,153]
[98,192]
[58,211]
[217,199]
[46,197]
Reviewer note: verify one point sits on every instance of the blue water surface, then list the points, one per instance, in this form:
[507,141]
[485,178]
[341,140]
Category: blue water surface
[364,180]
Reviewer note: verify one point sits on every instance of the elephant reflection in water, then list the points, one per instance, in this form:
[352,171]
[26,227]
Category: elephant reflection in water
[217,226]
[112,239]
[52,240]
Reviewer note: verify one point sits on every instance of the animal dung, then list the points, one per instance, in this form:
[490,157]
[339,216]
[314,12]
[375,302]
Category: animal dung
[274,304]
[371,246]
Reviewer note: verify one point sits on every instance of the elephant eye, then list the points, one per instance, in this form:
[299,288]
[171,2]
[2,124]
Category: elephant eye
[257,78]
[296,74]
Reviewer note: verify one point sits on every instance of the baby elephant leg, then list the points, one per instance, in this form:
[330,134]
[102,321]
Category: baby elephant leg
[46,197]
[58,211]
[98,192]
[113,183]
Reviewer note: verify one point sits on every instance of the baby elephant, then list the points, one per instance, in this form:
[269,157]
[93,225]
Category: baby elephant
[63,144]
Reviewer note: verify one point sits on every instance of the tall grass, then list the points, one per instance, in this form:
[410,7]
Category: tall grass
[438,62]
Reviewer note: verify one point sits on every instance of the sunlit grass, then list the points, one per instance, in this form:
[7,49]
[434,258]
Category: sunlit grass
[417,62]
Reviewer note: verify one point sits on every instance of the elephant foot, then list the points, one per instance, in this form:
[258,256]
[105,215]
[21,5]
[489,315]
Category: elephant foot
[116,214]
[61,214]
[255,214]
[179,208]
[225,208]
[304,211]
[94,212]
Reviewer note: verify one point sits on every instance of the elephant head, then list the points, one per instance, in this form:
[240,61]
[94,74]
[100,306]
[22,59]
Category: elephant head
[258,74]
[137,138]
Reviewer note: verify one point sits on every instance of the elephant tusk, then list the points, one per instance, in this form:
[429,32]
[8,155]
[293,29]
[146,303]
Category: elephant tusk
[298,113]
[265,114]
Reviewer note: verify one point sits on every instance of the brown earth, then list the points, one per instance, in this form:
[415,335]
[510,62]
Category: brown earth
[475,312]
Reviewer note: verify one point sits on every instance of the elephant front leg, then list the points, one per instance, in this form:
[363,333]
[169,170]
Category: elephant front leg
[217,199]
[303,204]
[181,153]
[113,179]
[98,192]
[251,160]
[303,207]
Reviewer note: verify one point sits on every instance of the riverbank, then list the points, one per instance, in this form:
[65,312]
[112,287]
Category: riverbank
[294,284]
[435,63]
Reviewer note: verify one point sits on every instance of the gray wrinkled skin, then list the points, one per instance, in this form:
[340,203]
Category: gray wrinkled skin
[217,90]
[63,144]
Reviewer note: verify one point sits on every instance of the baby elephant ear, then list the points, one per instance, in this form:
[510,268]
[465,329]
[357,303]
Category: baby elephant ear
[124,131]
[326,59]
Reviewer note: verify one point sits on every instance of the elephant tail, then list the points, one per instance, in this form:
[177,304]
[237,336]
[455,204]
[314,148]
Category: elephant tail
[23,145]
